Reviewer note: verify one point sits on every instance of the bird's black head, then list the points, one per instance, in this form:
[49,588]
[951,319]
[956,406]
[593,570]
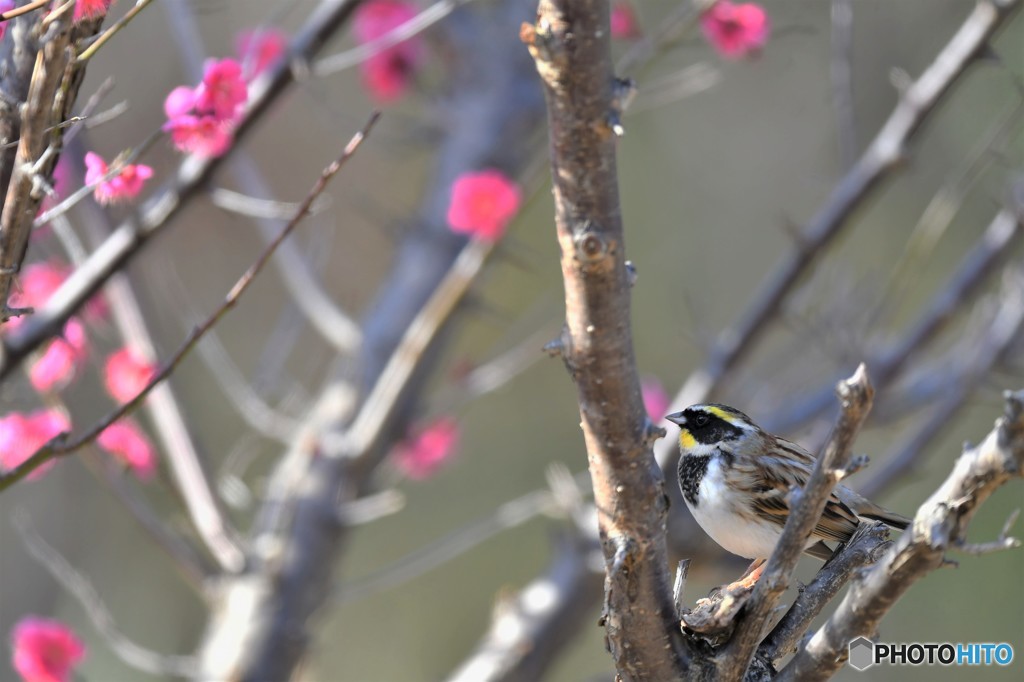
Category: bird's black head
[711,423]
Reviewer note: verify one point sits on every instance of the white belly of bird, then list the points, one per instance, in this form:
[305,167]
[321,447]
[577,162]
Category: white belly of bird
[717,515]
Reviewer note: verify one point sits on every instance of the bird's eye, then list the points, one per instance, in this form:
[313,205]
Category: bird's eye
[701,420]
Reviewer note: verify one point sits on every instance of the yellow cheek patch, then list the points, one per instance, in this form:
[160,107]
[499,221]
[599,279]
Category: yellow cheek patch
[686,441]
[720,413]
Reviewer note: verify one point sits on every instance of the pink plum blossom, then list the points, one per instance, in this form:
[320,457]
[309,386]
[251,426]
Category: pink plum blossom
[201,120]
[5,5]
[387,73]
[126,441]
[124,186]
[203,136]
[736,31]
[258,49]
[422,454]
[180,101]
[223,90]
[91,9]
[21,435]
[656,401]
[45,650]
[63,355]
[126,373]
[59,363]
[624,25]
[483,203]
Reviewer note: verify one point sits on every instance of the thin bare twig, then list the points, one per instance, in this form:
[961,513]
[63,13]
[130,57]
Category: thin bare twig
[414,26]
[1000,334]
[868,543]
[24,9]
[841,68]
[83,591]
[192,173]
[323,314]
[881,158]
[61,446]
[102,39]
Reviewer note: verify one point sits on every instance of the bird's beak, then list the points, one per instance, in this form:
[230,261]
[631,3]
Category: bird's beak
[677,418]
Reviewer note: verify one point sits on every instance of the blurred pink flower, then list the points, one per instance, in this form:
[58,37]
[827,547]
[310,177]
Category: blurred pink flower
[223,90]
[38,282]
[180,101]
[90,9]
[4,6]
[736,31]
[45,650]
[624,24]
[22,434]
[483,203]
[656,401]
[203,136]
[126,441]
[124,186]
[60,361]
[387,73]
[421,455]
[201,119]
[126,373]
[259,48]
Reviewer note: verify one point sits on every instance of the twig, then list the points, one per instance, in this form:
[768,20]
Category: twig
[185,462]
[102,39]
[194,568]
[883,156]
[1000,335]
[308,293]
[254,207]
[940,523]
[529,630]
[24,9]
[376,411]
[974,270]
[511,514]
[841,68]
[864,548]
[80,588]
[82,192]
[570,46]
[855,395]
[1002,543]
[192,173]
[61,446]
[357,55]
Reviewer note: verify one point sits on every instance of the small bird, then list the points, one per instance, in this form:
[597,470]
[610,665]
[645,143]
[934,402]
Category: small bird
[736,479]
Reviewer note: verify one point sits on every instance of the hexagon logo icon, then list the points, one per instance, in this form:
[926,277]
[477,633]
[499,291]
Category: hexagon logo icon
[862,653]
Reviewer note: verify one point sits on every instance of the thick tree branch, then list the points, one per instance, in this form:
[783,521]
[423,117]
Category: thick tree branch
[35,155]
[940,524]
[260,627]
[570,45]
[529,629]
